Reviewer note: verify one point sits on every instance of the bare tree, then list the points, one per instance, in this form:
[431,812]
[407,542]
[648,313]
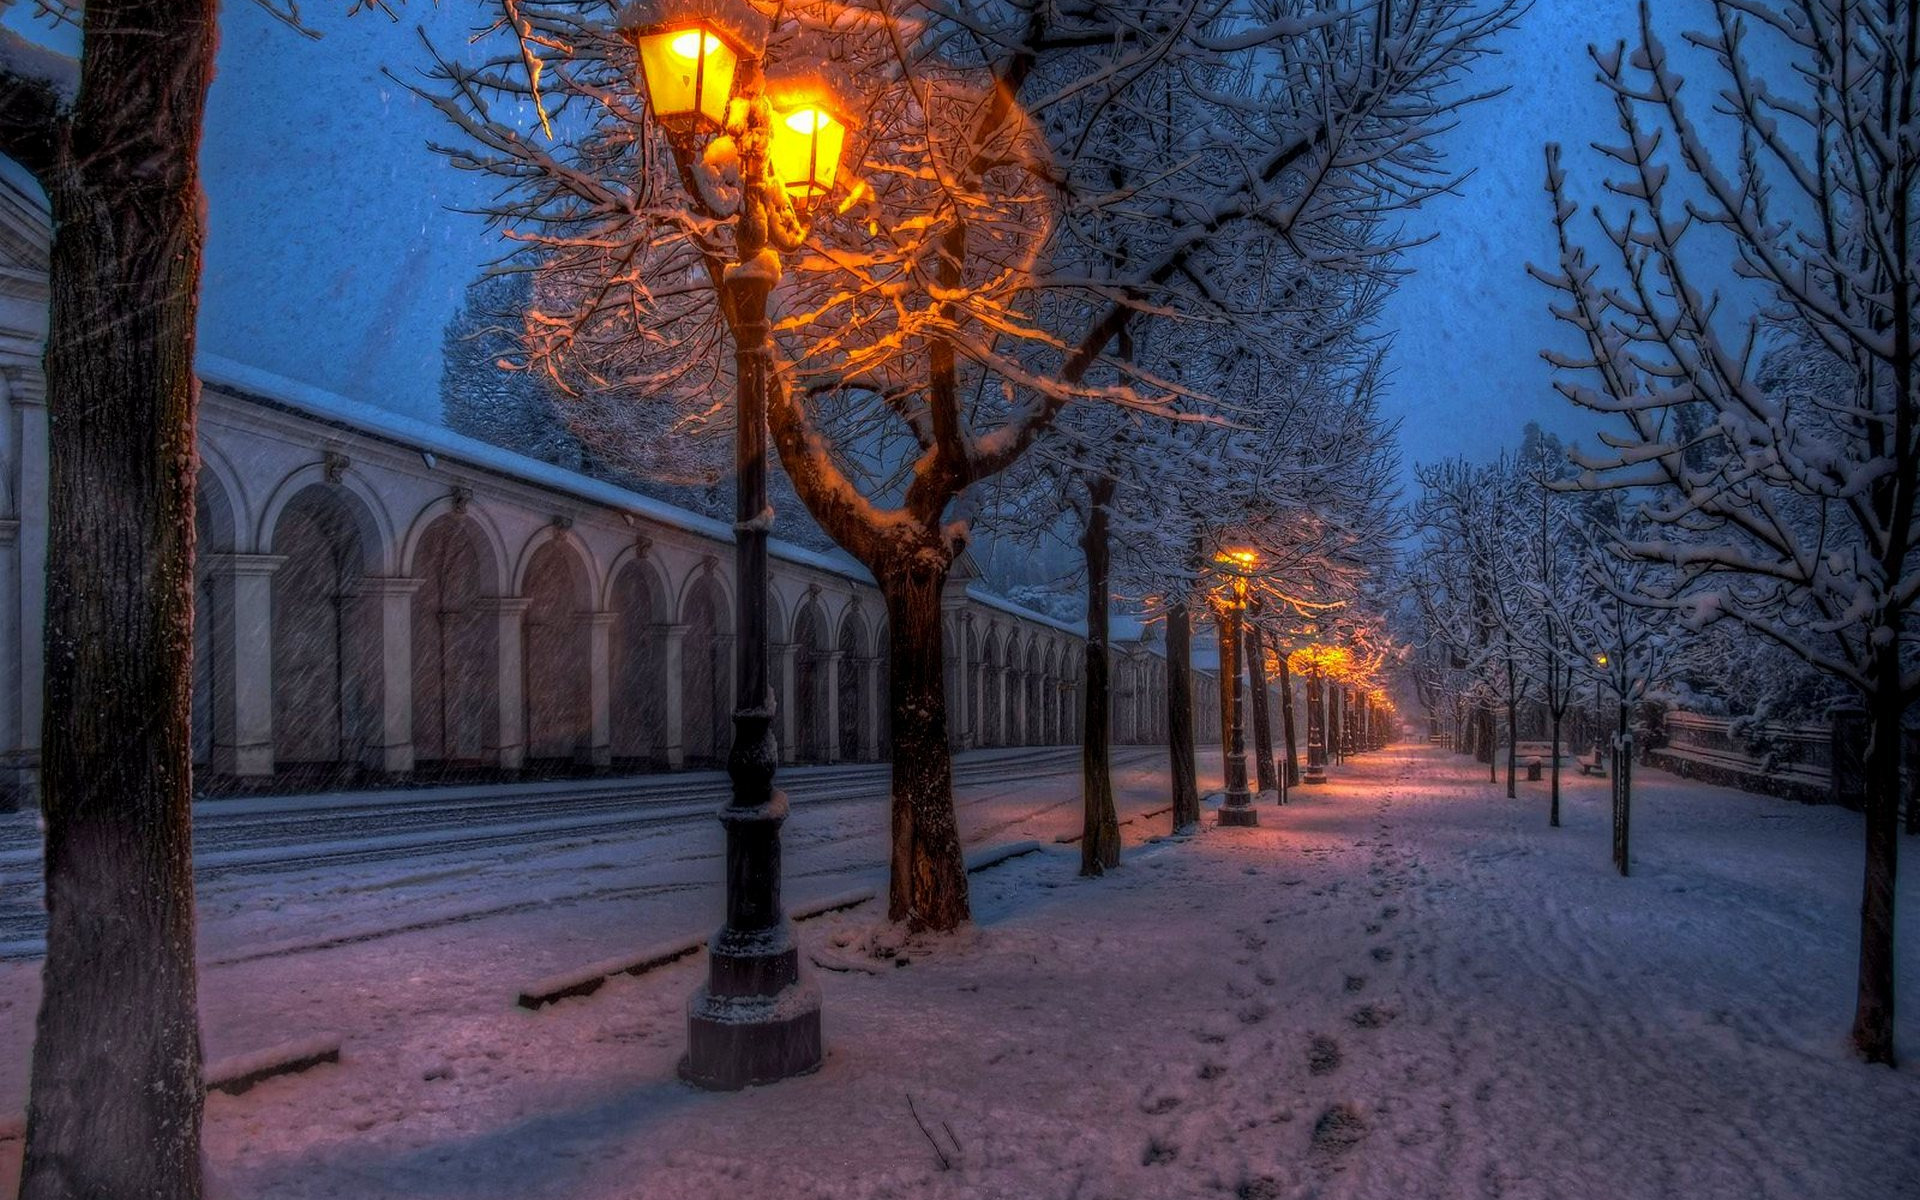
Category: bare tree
[115,147]
[1788,511]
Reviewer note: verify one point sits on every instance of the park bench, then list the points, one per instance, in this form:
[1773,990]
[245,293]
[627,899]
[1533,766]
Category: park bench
[1595,765]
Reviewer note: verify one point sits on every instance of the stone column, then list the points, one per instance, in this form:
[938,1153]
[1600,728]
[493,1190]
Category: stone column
[240,673]
[833,705]
[962,678]
[875,709]
[508,745]
[786,662]
[598,752]
[392,600]
[670,749]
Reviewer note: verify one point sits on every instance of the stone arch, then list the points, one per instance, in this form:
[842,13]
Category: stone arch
[856,697]
[372,525]
[816,740]
[326,641]
[558,586]
[883,697]
[479,528]
[706,669]
[1016,689]
[636,596]
[590,581]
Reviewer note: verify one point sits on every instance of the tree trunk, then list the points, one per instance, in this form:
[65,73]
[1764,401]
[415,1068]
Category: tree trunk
[115,1102]
[1262,719]
[1225,684]
[1513,731]
[927,887]
[1180,750]
[1292,772]
[1622,793]
[1553,805]
[1874,1003]
[1100,827]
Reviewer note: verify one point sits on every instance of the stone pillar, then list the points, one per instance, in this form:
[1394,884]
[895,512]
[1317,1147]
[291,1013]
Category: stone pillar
[832,664]
[508,745]
[598,752]
[240,673]
[27,393]
[670,749]
[876,710]
[786,663]
[392,601]
[962,716]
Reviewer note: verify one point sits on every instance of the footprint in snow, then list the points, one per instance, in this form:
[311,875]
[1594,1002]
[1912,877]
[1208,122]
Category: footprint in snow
[1371,1016]
[1339,1129]
[1323,1055]
[1383,954]
[1356,982]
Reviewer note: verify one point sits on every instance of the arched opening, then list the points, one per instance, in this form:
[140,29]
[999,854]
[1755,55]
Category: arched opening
[213,527]
[456,648]
[637,670]
[556,663]
[1035,721]
[325,641]
[705,716]
[815,738]
[855,703]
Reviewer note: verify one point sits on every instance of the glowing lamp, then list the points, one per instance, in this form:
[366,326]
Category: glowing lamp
[809,133]
[690,51]
[1599,660]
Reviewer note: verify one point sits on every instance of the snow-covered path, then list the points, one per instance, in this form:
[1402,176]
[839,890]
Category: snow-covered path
[1403,985]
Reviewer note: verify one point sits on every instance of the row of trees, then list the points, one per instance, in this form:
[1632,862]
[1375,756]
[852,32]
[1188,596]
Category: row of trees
[1761,466]
[1114,260]
[1050,192]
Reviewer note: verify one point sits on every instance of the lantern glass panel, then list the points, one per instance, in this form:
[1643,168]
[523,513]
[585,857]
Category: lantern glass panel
[805,150]
[689,74]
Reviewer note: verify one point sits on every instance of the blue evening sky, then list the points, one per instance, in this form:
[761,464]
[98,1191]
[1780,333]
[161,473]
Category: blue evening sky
[334,257]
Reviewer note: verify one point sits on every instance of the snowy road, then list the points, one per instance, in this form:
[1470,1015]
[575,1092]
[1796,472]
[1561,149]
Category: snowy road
[464,833]
[1403,985]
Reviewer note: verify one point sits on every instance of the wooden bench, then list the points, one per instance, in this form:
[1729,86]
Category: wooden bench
[1597,765]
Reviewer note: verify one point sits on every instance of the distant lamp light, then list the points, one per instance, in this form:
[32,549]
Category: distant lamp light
[809,133]
[690,51]
[1599,660]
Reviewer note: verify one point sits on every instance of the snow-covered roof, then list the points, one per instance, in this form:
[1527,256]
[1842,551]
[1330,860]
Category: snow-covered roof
[330,408]
[275,391]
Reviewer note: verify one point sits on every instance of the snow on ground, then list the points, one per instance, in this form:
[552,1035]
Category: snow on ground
[1403,985]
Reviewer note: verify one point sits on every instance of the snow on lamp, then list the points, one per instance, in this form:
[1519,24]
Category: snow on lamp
[811,116]
[689,52]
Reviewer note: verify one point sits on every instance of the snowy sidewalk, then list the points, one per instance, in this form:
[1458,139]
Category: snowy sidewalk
[1404,985]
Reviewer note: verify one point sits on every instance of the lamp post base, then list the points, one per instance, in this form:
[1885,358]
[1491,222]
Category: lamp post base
[761,1037]
[1238,810]
[1314,774]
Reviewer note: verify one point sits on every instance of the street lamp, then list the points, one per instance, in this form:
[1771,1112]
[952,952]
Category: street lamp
[1237,808]
[755,1020]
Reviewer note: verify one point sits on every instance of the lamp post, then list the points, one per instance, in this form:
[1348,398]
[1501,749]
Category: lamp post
[1237,808]
[755,1020]
[1316,771]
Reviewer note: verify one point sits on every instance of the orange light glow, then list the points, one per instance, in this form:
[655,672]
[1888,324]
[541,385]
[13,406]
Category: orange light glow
[689,43]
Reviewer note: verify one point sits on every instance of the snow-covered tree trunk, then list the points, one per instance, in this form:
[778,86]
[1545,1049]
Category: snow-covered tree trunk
[1286,720]
[1100,828]
[1622,790]
[115,1101]
[927,886]
[1180,748]
[1873,1006]
[1262,719]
